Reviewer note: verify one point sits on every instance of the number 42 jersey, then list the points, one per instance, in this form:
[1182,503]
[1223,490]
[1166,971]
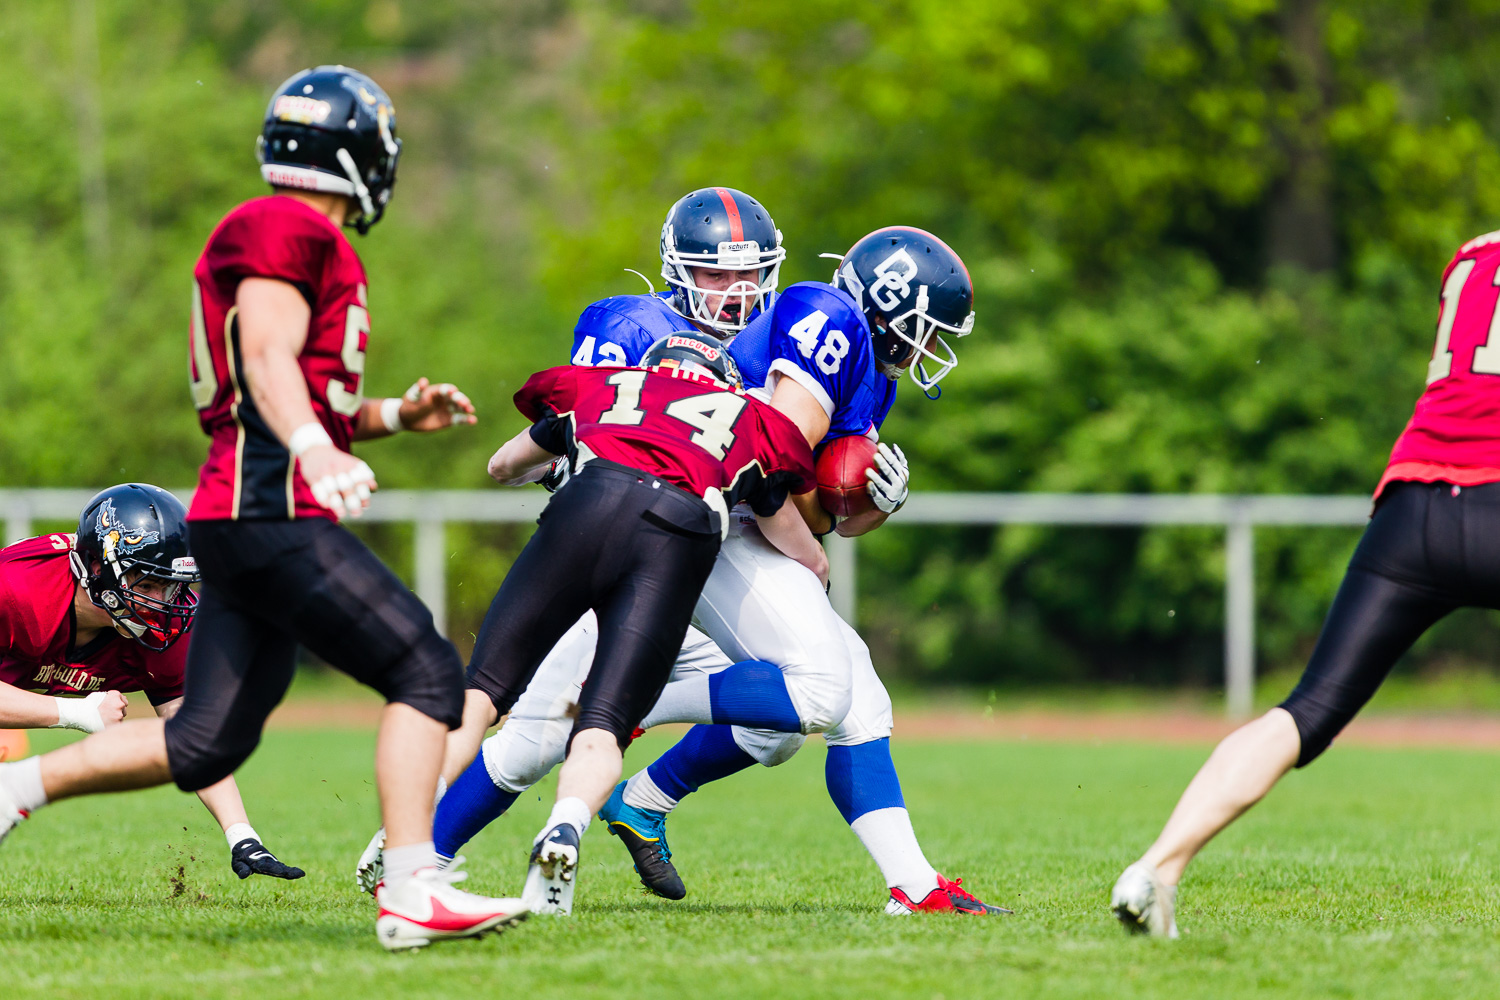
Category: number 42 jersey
[691,431]
[249,474]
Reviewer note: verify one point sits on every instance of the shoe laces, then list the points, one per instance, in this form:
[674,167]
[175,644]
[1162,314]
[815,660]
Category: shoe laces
[954,887]
[449,875]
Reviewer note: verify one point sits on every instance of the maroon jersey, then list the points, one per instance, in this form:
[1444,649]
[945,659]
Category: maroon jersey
[36,633]
[1454,434]
[249,473]
[689,430]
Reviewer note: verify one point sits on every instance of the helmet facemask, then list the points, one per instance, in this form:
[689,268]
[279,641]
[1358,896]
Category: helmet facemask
[691,299]
[915,332]
[154,622]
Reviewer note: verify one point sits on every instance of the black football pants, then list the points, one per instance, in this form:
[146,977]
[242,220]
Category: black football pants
[636,550]
[269,585]
[1430,548]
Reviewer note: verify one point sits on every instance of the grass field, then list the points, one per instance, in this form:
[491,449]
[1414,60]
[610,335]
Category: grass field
[1371,875]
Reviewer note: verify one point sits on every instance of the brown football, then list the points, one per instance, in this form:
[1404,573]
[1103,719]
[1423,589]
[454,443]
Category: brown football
[841,476]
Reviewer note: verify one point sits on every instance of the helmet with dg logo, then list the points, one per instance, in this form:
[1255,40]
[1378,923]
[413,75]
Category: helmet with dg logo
[911,287]
[724,230]
[332,129]
[133,538]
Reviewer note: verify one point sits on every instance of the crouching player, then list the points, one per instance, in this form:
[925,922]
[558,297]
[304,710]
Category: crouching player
[279,329]
[101,614]
[1432,546]
[659,455]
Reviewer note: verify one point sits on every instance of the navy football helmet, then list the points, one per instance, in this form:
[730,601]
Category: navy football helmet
[725,230]
[694,353]
[911,287]
[130,535]
[332,129]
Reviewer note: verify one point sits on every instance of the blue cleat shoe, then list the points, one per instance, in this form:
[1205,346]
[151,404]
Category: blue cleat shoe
[644,834]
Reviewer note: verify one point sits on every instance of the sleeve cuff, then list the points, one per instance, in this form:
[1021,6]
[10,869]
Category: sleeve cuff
[784,367]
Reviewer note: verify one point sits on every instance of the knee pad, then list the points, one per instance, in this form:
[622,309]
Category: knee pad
[768,748]
[198,760]
[524,751]
[820,706]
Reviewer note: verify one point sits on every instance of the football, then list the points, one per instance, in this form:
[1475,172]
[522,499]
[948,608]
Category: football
[841,476]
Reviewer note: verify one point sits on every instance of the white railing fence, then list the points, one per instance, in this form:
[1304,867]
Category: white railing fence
[430,511]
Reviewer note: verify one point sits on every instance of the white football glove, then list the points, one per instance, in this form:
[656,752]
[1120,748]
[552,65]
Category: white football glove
[888,478]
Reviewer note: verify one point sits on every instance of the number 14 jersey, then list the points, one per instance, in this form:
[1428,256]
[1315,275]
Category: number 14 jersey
[249,473]
[691,431]
[1454,433]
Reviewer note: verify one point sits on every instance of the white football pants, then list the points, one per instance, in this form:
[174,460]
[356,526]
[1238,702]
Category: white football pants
[758,605]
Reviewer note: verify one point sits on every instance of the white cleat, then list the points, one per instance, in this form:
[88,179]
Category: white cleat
[1144,903]
[427,908]
[10,813]
[549,880]
[371,867]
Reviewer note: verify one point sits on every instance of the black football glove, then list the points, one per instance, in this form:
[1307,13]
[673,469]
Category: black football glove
[250,858]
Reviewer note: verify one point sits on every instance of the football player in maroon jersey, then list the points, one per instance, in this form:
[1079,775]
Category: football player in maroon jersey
[279,326]
[1432,546]
[659,455]
[104,612]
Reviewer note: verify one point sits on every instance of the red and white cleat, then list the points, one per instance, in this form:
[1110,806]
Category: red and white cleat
[427,908]
[948,897]
[10,813]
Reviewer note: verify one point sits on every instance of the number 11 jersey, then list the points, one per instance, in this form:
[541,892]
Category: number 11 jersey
[249,474]
[1454,432]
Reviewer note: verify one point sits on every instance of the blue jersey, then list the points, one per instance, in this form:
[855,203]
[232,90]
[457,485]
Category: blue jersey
[816,335]
[617,331]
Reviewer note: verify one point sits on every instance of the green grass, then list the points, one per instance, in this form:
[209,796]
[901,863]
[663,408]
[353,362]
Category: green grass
[1370,875]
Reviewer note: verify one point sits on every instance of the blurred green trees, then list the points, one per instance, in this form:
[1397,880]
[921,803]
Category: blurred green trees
[1205,235]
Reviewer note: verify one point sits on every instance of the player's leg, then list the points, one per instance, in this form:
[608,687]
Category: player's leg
[770,615]
[1381,609]
[532,741]
[334,596]
[643,620]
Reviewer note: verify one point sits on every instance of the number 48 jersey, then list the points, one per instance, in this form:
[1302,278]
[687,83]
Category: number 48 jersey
[691,431]
[249,473]
[1452,435]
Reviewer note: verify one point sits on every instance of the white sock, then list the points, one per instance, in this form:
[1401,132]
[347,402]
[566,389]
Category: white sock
[401,863]
[22,781]
[684,700]
[573,811]
[888,836]
[240,831]
[641,793]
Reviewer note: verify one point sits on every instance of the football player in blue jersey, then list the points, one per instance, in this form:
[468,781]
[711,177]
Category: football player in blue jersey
[829,358]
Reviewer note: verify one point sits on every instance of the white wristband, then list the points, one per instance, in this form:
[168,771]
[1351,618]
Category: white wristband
[390,414]
[309,435]
[81,714]
[240,831]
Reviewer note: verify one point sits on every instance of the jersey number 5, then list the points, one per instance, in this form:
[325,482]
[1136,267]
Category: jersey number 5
[712,415]
[1486,355]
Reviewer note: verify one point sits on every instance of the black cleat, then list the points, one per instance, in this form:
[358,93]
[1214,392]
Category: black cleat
[644,834]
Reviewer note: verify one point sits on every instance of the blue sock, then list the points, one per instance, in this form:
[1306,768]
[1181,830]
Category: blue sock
[862,779]
[472,803]
[706,753]
[752,693]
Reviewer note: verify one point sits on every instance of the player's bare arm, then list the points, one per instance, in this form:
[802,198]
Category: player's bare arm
[520,461]
[222,800]
[273,318]
[788,531]
[804,410]
[424,408]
